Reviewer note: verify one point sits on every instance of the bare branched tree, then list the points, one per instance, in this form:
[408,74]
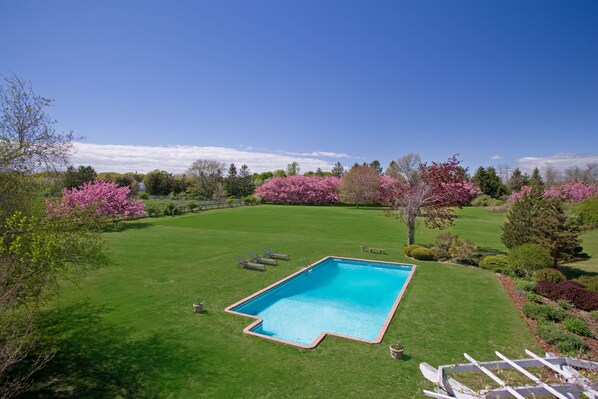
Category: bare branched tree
[28,140]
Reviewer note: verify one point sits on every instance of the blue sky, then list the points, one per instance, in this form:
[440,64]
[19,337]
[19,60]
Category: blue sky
[159,84]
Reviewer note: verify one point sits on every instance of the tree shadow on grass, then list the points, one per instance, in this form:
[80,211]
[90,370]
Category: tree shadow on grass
[96,359]
[572,272]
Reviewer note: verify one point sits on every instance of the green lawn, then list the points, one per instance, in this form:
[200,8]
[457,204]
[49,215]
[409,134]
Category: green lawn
[128,330]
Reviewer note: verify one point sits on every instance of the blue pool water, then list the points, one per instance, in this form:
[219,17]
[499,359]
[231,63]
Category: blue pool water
[340,296]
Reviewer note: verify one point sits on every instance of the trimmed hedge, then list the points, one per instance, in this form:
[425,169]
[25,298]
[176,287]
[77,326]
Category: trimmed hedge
[423,253]
[574,292]
[549,274]
[409,249]
[496,263]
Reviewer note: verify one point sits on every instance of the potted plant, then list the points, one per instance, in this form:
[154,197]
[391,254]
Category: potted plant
[396,350]
[198,307]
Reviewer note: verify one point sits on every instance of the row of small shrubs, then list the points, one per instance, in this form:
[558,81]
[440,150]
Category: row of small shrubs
[448,246]
[572,291]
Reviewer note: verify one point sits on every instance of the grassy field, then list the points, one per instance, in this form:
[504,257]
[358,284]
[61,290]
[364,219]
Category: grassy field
[128,330]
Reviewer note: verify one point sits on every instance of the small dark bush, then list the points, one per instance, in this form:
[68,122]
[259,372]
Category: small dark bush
[565,341]
[525,285]
[527,258]
[543,312]
[423,254]
[496,263]
[574,292]
[549,274]
[578,326]
[590,282]
[410,248]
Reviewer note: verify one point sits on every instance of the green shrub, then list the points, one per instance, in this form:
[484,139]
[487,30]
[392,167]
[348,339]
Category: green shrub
[143,195]
[486,200]
[565,304]
[525,285]
[153,211]
[533,297]
[565,341]
[496,263]
[171,209]
[463,251]
[409,249]
[440,253]
[549,274]
[527,258]
[191,205]
[423,253]
[252,199]
[588,212]
[446,240]
[594,314]
[543,312]
[578,326]
[590,282]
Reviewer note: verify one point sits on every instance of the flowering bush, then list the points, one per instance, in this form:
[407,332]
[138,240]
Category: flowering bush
[517,195]
[308,190]
[100,199]
[575,192]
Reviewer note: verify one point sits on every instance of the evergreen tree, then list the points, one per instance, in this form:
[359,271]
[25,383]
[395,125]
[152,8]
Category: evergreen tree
[489,182]
[338,170]
[232,181]
[518,229]
[556,232]
[246,186]
[376,165]
[536,182]
[76,177]
[517,180]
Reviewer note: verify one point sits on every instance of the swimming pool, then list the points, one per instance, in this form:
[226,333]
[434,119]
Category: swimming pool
[350,298]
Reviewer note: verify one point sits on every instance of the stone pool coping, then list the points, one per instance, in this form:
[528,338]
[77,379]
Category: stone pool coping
[316,342]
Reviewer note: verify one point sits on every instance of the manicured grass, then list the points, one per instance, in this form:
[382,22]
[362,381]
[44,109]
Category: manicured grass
[128,330]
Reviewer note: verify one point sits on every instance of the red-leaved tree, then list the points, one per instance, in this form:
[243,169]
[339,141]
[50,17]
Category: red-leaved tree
[433,193]
[308,190]
[100,199]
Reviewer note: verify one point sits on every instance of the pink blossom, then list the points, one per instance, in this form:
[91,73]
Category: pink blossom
[103,198]
[309,190]
[517,195]
[575,192]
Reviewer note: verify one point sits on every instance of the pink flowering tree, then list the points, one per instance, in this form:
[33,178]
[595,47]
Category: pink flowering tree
[432,193]
[100,200]
[308,190]
[576,192]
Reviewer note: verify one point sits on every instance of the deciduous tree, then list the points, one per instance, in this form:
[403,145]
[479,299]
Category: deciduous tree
[432,192]
[360,186]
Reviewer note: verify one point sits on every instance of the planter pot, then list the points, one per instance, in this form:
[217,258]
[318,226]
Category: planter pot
[396,353]
[198,307]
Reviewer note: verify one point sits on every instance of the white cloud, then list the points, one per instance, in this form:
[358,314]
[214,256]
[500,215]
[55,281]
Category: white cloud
[557,161]
[176,159]
[324,154]
[496,157]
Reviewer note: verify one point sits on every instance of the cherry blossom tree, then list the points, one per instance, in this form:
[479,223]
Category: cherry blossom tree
[100,199]
[433,192]
[575,192]
[309,190]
